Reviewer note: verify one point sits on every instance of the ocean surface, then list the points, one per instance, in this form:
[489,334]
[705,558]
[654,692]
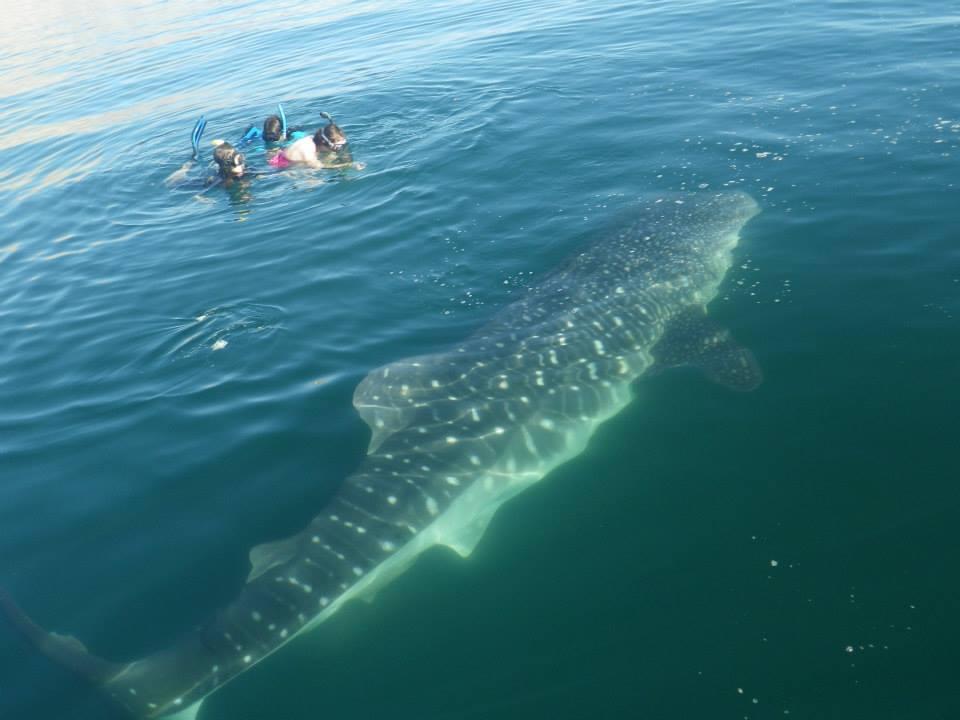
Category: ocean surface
[177,362]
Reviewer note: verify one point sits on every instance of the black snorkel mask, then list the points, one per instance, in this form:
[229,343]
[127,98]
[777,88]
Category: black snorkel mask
[230,165]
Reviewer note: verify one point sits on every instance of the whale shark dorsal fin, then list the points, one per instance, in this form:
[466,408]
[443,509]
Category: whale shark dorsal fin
[388,397]
[383,421]
[691,338]
[268,555]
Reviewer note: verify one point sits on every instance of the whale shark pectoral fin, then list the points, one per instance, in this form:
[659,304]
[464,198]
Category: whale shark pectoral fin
[691,338]
[268,555]
[189,713]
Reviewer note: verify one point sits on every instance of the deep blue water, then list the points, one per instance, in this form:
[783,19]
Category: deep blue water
[712,554]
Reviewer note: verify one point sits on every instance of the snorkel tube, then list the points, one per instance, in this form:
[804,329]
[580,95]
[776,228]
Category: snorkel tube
[195,136]
[283,121]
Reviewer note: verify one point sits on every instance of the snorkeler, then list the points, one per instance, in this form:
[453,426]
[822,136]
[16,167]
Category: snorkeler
[275,130]
[327,148]
[230,162]
[231,165]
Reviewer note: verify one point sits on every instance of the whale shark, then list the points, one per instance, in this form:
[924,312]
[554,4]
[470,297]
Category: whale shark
[456,434]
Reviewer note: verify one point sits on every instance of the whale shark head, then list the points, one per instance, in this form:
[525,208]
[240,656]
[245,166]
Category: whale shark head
[722,216]
[688,224]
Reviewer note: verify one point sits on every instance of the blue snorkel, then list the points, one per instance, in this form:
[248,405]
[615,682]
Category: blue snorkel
[283,121]
[196,134]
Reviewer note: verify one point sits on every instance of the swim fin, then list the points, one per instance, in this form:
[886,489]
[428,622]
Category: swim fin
[196,135]
[252,133]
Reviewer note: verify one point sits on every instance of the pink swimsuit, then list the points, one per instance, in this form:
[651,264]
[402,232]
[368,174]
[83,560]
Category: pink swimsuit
[279,160]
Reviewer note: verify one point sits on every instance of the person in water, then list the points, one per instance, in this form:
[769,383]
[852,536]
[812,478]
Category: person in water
[326,148]
[231,165]
[274,130]
[232,173]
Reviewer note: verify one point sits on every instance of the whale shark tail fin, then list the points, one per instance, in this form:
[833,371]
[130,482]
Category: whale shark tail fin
[691,338]
[65,650]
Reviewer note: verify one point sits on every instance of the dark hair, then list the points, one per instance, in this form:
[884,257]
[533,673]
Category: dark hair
[227,156]
[328,135]
[272,129]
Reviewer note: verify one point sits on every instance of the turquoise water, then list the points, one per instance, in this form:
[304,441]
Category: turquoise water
[785,552]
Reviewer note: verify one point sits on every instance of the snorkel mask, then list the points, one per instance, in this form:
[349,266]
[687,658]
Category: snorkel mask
[335,145]
[237,164]
[229,160]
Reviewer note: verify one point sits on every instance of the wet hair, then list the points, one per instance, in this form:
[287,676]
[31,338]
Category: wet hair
[329,136]
[272,129]
[227,157]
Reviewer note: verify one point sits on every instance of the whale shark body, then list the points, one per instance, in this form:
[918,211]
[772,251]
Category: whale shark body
[458,433]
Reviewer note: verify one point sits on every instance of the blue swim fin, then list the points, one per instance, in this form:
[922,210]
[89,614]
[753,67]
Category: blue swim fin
[252,133]
[197,134]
